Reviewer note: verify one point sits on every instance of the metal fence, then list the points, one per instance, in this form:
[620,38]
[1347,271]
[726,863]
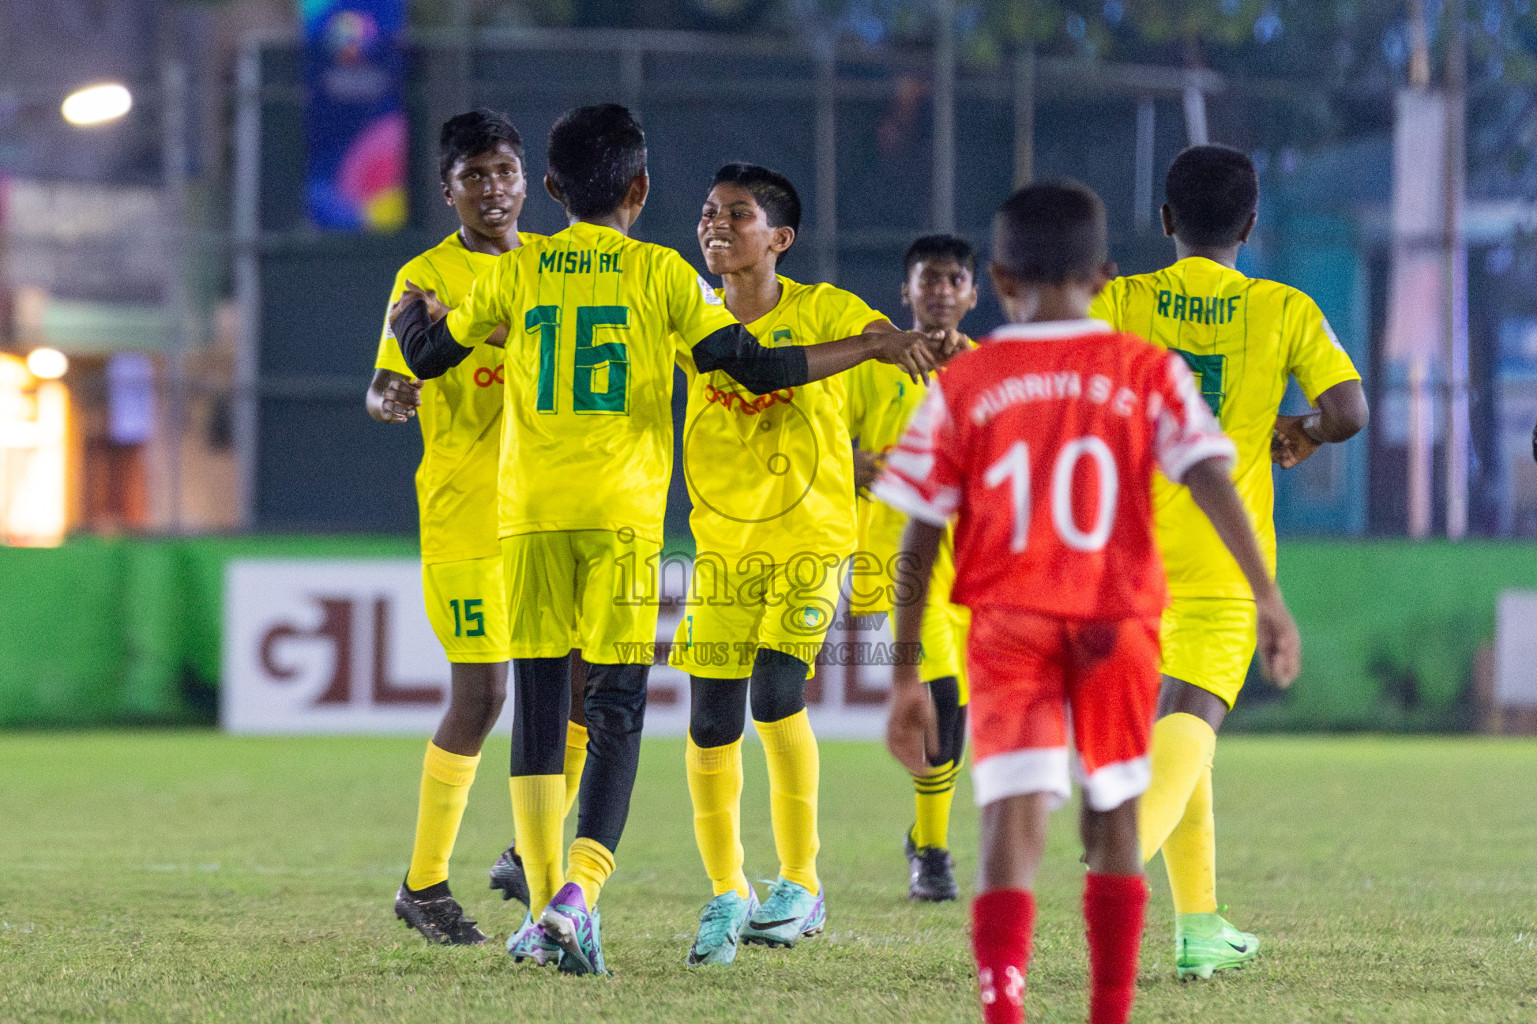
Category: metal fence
[884,145]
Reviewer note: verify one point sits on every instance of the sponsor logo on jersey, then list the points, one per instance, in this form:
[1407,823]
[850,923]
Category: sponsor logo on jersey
[744,404]
[486,376]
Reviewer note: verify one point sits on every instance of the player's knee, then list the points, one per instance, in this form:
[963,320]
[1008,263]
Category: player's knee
[1110,838]
[495,699]
[717,711]
[539,720]
[950,716]
[616,704]
[476,696]
[778,686]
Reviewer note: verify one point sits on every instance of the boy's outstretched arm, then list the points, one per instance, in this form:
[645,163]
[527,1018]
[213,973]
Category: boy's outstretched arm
[761,369]
[912,731]
[1280,646]
[1341,415]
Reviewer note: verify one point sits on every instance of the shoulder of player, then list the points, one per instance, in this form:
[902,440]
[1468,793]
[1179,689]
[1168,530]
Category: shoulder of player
[819,294]
[1118,287]
[830,306]
[1281,301]
[425,264]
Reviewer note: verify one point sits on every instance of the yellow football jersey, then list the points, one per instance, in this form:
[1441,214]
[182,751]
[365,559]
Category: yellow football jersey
[460,414]
[596,322]
[775,473]
[882,399]
[1242,337]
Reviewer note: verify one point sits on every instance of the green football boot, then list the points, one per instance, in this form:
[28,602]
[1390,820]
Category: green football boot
[1204,943]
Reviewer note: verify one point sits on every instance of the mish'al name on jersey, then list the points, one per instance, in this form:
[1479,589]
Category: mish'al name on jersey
[1241,337]
[596,321]
[460,414]
[774,473]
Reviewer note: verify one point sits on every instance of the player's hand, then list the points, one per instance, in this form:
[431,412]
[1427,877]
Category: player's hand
[948,343]
[498,337]
[1280,645]
[912,728]
[911,350]
[436,310]
[400,399]
[1290,445]
[867,466]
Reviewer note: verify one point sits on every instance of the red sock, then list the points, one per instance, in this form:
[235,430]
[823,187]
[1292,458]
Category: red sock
[1112,908]
[1001,924]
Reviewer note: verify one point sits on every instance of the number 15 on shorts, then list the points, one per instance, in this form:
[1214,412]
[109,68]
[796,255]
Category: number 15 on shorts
[469,620]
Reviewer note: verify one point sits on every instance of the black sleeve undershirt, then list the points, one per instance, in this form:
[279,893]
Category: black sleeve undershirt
[757,368]
[429,349]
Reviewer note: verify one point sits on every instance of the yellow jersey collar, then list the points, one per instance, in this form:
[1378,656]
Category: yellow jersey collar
[584,226]
[1220,267]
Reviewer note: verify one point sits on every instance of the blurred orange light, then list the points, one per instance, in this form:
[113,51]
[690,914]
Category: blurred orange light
[14,374]
[34,436]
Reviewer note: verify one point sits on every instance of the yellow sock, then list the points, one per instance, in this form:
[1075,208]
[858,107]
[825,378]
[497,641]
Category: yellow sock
[591,864]
[1190,854]
[1183,746]
[793,769]
[445,791]
[576,760]
[932,796]
[715,787]
[538,815]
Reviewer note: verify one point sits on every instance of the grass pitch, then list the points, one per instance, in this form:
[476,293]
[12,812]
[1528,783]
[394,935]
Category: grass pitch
[193,876]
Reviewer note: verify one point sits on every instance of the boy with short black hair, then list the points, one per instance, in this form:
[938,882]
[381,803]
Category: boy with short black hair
[1242,338]
[1041,443]
[481,167]
[771,480]
[939,285]
[595,322]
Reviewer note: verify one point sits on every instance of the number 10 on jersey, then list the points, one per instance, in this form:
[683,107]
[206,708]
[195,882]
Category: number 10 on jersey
[1013,469]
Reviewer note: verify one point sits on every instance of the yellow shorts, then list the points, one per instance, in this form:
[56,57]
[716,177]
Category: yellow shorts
[872,568]
[593,590]
[944,644]
[467,606]
[733,610]
[1209,642]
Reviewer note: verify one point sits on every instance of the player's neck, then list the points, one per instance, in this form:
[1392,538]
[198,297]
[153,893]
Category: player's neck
[752,292]
[934,328]
[1048,304]
[619,224]
[490,245]
[621,220]
[1227,255]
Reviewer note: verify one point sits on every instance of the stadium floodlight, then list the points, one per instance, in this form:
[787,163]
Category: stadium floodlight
[47,363]
[97,103]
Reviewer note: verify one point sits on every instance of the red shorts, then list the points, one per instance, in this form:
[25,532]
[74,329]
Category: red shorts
[1030,675]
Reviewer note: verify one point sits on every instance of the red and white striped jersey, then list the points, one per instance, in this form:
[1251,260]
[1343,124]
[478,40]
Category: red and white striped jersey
[1042,443]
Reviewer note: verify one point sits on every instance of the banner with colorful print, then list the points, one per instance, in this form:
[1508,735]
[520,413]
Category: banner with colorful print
[355,122]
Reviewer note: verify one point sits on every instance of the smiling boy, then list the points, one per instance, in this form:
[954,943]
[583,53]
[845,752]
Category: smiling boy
[772,481]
